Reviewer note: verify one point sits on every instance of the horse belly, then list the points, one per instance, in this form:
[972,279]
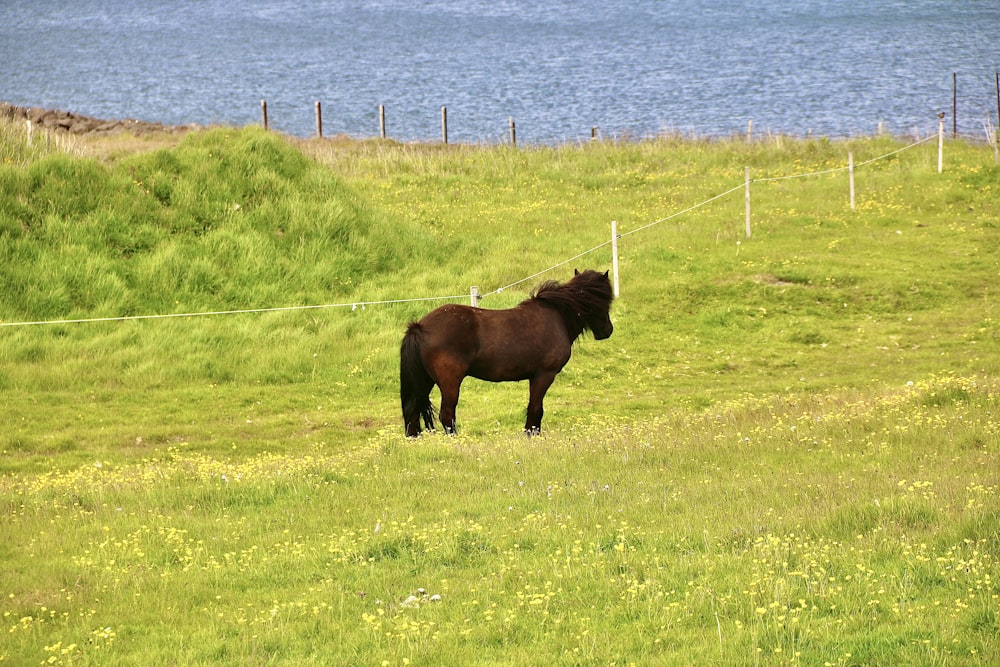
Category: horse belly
[510,363]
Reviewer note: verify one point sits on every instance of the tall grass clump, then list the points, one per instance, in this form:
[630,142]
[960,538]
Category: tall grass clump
[226,220]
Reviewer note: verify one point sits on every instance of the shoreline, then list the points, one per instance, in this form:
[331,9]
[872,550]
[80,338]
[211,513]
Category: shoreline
[78,124]
[74,124]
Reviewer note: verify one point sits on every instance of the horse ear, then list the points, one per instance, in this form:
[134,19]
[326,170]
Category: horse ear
[607,272]
[576,272]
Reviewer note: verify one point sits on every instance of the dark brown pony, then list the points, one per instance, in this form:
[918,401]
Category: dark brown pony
[531,341]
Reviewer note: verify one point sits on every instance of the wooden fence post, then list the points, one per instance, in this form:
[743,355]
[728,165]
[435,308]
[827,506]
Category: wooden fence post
[263,112]
[381,120]
[444,124]
[319,120]
[940,142]
[746,174]
[474,296]
[513,132]
[614,255]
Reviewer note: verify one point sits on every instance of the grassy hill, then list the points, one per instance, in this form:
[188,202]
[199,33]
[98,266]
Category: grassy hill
[785,454]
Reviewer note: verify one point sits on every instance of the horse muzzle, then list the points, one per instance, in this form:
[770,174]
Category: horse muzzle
[604,333]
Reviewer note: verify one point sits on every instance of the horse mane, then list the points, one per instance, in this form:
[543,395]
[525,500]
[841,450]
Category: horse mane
[586,294]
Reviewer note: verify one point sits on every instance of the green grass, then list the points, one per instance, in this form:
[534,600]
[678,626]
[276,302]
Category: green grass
[785,454]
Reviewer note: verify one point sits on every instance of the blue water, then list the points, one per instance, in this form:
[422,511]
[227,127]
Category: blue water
[559,67]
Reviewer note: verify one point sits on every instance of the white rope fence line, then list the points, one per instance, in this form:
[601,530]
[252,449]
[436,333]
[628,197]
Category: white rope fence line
[704,203]
[834,170]
[354,304]
[544,271]
[680,213]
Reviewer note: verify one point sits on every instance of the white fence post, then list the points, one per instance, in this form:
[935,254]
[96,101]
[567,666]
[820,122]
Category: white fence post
[614,255]
[746,174]
[940,143]
[474,296]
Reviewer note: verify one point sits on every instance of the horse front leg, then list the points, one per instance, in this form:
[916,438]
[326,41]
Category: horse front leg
[537,387]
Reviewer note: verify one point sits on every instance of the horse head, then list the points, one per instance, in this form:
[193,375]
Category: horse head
[601,326]
[597,287]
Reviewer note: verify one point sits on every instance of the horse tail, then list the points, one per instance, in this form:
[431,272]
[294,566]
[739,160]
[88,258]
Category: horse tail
[415,383]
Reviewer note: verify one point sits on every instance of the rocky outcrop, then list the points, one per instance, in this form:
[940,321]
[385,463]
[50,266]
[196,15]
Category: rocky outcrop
[71,123]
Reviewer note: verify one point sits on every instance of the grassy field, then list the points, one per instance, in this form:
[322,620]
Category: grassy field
[786,454]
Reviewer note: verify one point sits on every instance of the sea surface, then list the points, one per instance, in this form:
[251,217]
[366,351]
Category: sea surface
[631,68]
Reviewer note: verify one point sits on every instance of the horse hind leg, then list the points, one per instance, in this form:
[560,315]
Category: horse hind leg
[449,402]
[415,383]
[416,403]
[418,408]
